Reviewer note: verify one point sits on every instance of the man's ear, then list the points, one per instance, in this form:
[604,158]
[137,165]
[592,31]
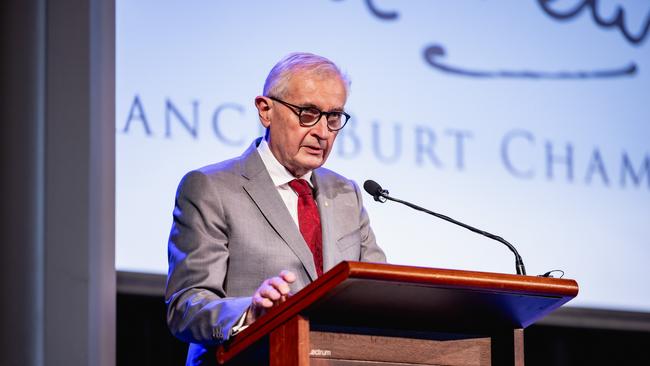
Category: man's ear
[263,106]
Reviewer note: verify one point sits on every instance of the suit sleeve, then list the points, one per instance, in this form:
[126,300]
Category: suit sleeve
[370,251]
[198,309]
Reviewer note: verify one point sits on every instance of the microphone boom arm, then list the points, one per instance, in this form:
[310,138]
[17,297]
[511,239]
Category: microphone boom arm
[519,263]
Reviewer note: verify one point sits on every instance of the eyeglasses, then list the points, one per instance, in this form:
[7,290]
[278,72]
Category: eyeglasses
[309,116]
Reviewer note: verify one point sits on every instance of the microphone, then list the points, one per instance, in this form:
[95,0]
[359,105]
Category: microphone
[381,195]
[375,190]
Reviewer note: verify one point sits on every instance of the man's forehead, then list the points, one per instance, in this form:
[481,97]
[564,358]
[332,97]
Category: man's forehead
[306,84]
[300,76]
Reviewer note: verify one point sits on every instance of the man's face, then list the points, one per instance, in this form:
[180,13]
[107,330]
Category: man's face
[301,149]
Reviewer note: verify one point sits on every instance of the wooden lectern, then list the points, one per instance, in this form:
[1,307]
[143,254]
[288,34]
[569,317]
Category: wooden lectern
[380,314]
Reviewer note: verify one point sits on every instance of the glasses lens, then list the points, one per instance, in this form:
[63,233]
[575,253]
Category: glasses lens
[309,116]
[336,121]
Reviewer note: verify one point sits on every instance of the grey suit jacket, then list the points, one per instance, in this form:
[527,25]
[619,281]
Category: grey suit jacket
[231,231]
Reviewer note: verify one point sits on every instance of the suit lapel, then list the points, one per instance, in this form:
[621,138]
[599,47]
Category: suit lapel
[262,191]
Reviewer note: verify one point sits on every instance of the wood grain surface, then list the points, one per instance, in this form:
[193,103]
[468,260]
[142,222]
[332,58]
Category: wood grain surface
[387,296]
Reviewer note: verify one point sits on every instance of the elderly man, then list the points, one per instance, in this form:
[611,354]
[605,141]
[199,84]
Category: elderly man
[249,231]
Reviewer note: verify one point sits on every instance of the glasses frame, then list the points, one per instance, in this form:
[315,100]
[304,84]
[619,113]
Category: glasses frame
[321,114]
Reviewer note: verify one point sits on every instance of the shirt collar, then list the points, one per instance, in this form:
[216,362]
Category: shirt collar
[279,174]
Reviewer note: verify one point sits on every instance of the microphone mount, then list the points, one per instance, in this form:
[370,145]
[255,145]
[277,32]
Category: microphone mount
[382,196]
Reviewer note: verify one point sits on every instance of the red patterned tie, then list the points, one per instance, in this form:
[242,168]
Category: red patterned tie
[309,221]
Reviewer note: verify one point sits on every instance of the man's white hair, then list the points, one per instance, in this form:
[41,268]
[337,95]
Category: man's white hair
[278,79]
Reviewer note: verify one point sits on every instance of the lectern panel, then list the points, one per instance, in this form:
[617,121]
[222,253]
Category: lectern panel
[382,300]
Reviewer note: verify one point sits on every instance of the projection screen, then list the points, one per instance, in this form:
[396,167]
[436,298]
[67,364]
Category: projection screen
[528,119]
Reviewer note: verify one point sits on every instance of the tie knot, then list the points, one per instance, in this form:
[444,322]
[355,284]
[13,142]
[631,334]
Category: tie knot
[301,187]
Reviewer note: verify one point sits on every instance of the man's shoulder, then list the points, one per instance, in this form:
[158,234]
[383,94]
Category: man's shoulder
[233,167]
[226,167]
[216,171]
[332,178]
[330,174]
[222,174]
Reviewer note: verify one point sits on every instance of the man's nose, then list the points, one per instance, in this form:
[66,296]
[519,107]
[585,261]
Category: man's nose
[320,129]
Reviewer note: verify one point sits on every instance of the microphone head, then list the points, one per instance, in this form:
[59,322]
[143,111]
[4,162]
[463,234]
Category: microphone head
[374,189]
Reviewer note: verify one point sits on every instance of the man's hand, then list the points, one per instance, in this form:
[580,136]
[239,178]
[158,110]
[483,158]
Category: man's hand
[273,291]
